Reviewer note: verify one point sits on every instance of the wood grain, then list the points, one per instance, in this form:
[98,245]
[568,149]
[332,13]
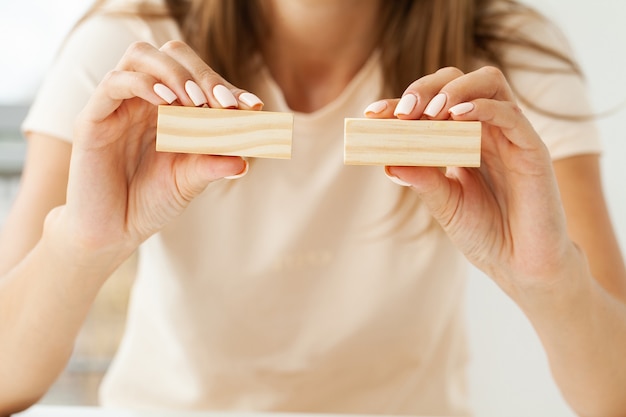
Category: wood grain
[411,142]
[247,133]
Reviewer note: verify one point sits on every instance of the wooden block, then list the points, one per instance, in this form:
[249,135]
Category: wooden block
[412,142]
[258,134]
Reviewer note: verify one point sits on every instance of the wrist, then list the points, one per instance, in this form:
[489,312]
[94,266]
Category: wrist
[558,293]
[73,249]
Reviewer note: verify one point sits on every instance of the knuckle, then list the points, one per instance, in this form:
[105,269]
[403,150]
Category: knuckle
[110,77]
[515,108]
[493,72]
[450,71]
[138,48]
[173,46]
[206,74]
[440,77]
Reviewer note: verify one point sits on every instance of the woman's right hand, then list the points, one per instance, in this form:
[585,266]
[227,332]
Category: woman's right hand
[120,190]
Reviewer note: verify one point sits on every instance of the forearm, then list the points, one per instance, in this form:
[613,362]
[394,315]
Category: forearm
[583,330]
[43,302]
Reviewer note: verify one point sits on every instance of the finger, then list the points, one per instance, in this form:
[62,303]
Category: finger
[486,82]
[219,93]
[207,168]
[415,98]
[118,86]
[504,115]
[421,92]
[144,58]
[433,187]
[381,109]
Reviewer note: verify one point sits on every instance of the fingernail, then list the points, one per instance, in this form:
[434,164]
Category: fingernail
[164,92]
[376,107]
[250,100]
[435,105]
[224,96]
[461,108]
[195,93]
[241,174]
[395,179]
[405,105]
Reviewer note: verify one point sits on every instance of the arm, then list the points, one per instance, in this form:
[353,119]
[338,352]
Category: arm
[593,335]
[43,302]
[588,221]
[42,187]
[119,192]
[509,218]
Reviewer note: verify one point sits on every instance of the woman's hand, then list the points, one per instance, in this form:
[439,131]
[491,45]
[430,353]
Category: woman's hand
[505,216]
[120,189]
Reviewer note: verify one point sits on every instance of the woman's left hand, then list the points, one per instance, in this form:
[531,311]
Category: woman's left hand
[506,216]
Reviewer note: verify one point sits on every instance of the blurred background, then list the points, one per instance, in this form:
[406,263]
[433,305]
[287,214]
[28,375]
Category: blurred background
[509,373]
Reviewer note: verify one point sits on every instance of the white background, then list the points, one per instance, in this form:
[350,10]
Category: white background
[509,374]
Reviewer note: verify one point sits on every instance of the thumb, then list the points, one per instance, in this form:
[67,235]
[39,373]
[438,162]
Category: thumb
[204,169]
[433,187]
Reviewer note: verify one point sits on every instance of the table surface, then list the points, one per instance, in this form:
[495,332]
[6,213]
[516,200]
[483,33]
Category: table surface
[72,411]
[61,411]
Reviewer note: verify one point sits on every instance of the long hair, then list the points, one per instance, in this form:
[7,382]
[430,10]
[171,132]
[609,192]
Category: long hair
[415,37]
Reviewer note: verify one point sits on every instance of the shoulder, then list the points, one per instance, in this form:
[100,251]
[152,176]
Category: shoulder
[100,41]
[91,50]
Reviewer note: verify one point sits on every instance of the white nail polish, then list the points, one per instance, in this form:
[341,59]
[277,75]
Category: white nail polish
[395,179]
[435,105]
[195,93]
[164,92]
[241,174]
[224,96]
[376,107]
[405,105]
[461,108]
[250,100]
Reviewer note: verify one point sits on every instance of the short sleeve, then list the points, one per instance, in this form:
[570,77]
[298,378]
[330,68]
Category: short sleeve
[91,50]
[560,110]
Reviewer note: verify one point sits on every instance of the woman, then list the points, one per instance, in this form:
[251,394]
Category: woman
[308,285]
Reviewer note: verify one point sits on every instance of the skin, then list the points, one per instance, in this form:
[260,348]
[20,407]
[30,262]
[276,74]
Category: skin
[507,217]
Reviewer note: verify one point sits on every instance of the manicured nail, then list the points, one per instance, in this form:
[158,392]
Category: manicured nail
[224,96]
[461,108]
[250,100]
[395,179]
[164,92]
[241,174]
[405,105]
[435,105]
[195,93]
[376,107]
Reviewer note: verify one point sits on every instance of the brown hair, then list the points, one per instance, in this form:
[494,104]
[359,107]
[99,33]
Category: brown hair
[416,37]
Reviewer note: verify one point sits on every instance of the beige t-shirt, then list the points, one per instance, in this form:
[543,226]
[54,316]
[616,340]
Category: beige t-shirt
[301,286]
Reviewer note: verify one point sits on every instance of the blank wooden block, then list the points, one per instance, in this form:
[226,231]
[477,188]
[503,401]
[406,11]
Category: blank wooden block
[258,134]
[411,142]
